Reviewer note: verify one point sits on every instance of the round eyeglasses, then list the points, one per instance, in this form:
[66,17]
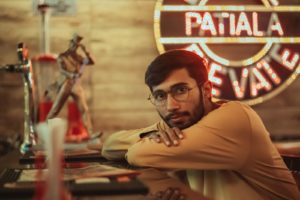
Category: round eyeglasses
[178,92]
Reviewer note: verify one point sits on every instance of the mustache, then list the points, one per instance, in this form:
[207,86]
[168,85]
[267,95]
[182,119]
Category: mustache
[175,114]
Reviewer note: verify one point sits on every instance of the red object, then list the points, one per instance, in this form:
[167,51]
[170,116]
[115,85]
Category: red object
[41,61]
[50,58]
[40,186]
[76,129]
[44,108]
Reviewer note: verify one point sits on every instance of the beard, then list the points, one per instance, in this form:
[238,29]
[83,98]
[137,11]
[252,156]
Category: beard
[193,117]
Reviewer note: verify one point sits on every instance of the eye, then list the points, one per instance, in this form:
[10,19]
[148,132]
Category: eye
[159,96]
[181,89]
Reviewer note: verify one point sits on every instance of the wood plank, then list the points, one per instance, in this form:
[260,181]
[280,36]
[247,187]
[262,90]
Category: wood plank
[289,97]
[119,34]
[282,120]
[117,120]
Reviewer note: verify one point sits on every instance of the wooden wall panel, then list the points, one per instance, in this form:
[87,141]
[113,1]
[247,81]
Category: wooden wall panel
[123,42]
[120,36]
[281,114]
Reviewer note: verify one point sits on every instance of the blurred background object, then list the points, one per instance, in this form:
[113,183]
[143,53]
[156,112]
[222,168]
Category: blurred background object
[120,36]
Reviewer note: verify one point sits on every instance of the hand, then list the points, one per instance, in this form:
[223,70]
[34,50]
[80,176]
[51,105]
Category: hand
[83,48]
[170,136]
[169,194]
[76,75]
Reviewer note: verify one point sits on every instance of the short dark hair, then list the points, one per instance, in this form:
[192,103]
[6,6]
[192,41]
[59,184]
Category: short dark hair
[160,68]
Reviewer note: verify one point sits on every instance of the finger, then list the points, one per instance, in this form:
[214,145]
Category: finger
[175,195]
[178,133]
[167,194]
[159,194]
[165,138]
[173,136]
[155,137]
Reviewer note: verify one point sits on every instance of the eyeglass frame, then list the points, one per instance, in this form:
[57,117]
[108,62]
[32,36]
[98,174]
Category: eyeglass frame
[151,98]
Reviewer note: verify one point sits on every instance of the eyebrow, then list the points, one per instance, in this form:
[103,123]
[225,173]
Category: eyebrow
[179,84]
[173,86]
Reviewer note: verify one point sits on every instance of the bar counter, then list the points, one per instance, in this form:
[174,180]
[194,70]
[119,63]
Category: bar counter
[159,184]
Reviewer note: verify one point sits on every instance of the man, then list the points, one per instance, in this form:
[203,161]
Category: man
[224,148]
[71,66]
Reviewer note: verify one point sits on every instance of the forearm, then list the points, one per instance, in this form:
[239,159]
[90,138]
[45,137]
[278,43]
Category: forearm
[218,141]
[116,145]
[193,152]
[88,59]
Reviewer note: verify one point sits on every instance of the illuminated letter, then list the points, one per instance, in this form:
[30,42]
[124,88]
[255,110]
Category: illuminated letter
[208,24]
[194,48]
[214,67]
[211,76]
[274,53]
[256,32]
[191,2]
[274,2]
[243,25]
[232,24]
[220,17]
[283,58]
[262,82]
[274,25]
[239,89]
[290,64]
[268,69]
[190,23]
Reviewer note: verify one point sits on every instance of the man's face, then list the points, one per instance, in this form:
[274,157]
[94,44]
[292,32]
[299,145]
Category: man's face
[181,114]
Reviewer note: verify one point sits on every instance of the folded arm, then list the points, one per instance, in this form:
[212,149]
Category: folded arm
[116,145]
[216,142]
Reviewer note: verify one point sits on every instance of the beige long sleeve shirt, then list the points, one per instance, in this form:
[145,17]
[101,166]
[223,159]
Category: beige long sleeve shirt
[228,155]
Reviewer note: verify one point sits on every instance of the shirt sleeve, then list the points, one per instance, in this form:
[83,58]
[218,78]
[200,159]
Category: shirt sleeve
[116,145]
[220,140]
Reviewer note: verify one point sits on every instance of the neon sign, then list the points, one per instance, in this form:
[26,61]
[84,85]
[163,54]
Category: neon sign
[253,50]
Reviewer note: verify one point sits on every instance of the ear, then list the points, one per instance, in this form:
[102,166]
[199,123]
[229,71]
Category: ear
[207,87]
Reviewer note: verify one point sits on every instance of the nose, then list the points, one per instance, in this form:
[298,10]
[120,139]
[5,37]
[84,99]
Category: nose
[172,104]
